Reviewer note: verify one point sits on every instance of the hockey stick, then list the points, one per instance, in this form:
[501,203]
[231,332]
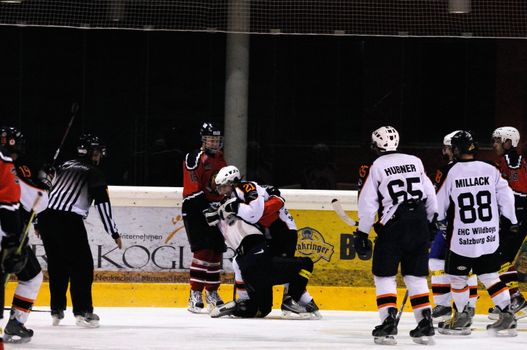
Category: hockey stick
[7,308]
[74,109]
[403,304]
[24,235]
[341,213]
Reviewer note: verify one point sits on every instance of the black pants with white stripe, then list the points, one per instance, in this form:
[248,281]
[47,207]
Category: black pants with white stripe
[70,259]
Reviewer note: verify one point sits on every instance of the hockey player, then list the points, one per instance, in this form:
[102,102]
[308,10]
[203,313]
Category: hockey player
[78,183]
[399,192]
[513,168]
[10,226]
[34,185]
[238,221]
[470,201]
[439,280]
[206,242]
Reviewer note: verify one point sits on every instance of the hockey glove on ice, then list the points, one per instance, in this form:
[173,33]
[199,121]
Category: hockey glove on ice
[363,246]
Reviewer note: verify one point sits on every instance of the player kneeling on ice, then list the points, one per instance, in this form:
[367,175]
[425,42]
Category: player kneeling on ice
[237,219]
[397,189]
[470,202]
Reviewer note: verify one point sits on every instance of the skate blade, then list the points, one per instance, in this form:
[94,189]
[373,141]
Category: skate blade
[288,315]
[506,333]
[223,310]
[424,340]
[84,324]
[197,310]
[442,318]
[16,339]
[461,331]
[386,340]
[315,315]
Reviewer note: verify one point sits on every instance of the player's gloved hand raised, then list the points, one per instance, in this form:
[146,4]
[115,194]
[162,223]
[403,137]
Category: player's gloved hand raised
[363,246]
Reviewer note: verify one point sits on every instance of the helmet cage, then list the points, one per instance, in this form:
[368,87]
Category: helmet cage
[385,139]
[88,144]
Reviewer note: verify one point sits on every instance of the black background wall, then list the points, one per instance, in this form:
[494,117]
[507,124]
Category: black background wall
[146,94]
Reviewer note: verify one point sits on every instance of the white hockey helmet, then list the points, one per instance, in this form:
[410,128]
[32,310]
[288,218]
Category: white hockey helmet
[385,138]
[447,140]
[507,133]
[227,175]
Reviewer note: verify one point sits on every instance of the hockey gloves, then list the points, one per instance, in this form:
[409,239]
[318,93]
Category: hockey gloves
[11,261]
[46,175]
[230,207]
[363,246]
[212,217]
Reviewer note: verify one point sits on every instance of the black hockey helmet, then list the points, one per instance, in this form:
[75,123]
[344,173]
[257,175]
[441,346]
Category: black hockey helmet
[89,143]
[12,139]
[463,143]
[211,137]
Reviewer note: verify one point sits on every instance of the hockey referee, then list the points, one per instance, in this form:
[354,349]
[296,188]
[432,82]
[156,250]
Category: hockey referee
[77,184]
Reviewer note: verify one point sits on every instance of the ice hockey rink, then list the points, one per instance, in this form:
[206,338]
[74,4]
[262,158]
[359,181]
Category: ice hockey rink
[176,328]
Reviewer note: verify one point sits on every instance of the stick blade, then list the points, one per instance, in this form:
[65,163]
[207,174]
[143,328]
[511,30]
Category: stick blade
[341,213]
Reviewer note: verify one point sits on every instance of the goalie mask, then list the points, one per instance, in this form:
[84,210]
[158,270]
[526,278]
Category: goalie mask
[91,146]
[505,133]
[385,139]
[211,138]
[226,178]
[12,140]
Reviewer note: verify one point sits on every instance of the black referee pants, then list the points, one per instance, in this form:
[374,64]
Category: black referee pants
[69,260]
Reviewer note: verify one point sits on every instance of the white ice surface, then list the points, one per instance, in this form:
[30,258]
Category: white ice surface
[174,328]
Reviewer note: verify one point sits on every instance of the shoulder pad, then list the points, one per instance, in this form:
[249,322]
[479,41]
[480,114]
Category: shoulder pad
[249,190]
[192,159]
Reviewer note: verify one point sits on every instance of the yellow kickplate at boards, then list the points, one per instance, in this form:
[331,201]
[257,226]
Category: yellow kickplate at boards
[176,295]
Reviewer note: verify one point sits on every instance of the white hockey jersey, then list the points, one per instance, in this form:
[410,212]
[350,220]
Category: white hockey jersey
[471,198]
[252,201]
[393,179]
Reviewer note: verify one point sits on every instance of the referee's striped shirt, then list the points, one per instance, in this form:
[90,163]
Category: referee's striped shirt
[74,188]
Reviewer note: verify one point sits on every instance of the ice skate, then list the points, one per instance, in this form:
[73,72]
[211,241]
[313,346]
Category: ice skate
[458,324]
[313,309]
[213,299]
[518,305]
[424,332]
[505,326]
[494,313]
[471,311]
[441,312]
[292,310]
[87,320]
[195,302]
[56,317]
[224,310]
[384,334]
[16,333]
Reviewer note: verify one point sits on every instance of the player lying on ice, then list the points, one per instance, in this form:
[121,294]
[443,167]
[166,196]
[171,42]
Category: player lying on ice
[237,219]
